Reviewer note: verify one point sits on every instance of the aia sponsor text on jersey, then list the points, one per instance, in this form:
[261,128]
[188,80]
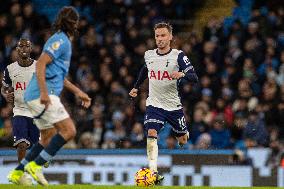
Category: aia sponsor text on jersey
[160,75]
[20,86]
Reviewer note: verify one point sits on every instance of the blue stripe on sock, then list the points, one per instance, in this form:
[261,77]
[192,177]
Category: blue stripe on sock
[45,155]
[34,152]
[24,161]
[53,147]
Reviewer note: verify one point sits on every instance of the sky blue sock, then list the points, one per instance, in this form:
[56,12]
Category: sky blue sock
[53,147]
[31,155]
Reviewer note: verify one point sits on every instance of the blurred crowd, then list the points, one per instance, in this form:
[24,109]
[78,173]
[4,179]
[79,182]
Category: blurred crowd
[238,104]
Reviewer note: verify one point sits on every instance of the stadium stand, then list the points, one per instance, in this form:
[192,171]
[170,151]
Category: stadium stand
[238,104]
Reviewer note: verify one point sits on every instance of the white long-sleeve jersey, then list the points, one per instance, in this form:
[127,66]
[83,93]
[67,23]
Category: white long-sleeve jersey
[18,77]
[163,90]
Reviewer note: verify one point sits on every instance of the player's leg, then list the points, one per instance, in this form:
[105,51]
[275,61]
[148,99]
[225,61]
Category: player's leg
[177,121]
[44,120]
[29,164]
[21,135]
[56,116]
[152,148]
[34,135]
[21,150]
[32,154]
[38,146]
[45,137]
[21,142]
[18,176]
[154,121]
[65,131]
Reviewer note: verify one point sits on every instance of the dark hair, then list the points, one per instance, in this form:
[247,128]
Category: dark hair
[66,19]
[24,39]
[164,25]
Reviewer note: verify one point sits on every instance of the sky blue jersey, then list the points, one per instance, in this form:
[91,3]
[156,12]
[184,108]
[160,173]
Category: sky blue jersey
[58,47]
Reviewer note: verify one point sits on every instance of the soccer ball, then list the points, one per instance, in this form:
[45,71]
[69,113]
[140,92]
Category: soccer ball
[145,178]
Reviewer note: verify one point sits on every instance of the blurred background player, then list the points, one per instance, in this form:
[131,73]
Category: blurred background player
[16,78]
[42,97]
[165,67]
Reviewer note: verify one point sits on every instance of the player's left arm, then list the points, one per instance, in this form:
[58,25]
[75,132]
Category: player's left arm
[86,100]
[186,69]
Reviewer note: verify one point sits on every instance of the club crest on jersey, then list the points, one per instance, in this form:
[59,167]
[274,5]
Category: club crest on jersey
[160,75]
[55,45]
[167,63]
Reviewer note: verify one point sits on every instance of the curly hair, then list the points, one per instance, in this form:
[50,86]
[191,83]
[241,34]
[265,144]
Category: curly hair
[66,20]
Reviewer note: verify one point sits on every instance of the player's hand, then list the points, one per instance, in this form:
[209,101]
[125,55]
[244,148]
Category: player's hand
[133,92]
[9,96]
[177,75]
[45,100]
[86,100]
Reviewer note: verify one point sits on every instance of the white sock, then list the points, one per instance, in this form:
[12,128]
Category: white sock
[152,153]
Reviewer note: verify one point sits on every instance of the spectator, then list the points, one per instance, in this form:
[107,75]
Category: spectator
[203,142]
[171,142]
[198,126]
[220,134]
[137,135]
[86,141]
[255,129]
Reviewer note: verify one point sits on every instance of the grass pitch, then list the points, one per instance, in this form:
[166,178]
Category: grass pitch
[10,186]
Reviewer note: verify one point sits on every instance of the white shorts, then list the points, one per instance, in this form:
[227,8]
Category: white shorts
[44,119]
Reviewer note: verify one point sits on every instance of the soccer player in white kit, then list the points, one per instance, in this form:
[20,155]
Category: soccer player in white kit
[165,67]
[16,78]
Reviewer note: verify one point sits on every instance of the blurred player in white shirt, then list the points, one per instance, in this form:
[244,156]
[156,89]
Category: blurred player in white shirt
[165,67]
[16,79]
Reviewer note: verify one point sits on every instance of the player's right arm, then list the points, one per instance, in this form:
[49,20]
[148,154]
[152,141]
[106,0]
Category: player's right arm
[141,78]
[43,60]
[52,50]
[6,89]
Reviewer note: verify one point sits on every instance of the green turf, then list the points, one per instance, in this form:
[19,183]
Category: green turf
[10,186]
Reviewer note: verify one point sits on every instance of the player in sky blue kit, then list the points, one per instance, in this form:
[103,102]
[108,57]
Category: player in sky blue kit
[164,67]
[42,98]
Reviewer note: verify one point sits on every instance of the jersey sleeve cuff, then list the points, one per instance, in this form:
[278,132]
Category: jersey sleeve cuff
[5,84]
[49,54]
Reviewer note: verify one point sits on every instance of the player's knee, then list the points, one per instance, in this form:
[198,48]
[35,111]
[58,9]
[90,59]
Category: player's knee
[152,133]
[73,133]
[23,146]
[66,129]
[44,140]
[182,140]
[69,133]
[46,136]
